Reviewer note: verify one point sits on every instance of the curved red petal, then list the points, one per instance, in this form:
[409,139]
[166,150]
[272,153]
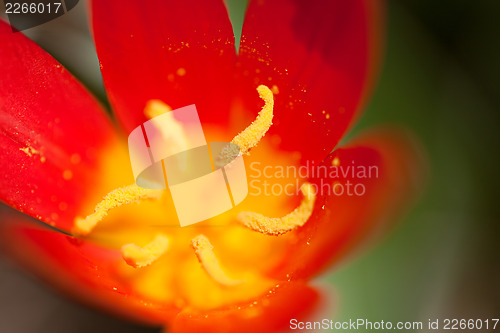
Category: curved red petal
[77,268]
[394,170]
[52,133]
[319,57]
[269,313]
[181,52]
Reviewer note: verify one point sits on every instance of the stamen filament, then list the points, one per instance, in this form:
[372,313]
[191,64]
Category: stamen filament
[116,198]
[250,136]
[278,226]
[137,256]
[203,250]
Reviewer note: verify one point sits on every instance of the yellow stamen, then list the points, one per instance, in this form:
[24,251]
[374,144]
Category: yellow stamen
[278,226]
[137,256]
[206,256]
[251,135]
[116,198]
[155,108]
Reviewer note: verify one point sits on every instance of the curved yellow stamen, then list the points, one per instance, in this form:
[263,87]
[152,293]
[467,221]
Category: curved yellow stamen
[250,136]
[116,198]
[137,256]
[278,226]
[155,108]
[203,250]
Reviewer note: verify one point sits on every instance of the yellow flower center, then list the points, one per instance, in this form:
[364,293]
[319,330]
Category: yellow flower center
[229,254]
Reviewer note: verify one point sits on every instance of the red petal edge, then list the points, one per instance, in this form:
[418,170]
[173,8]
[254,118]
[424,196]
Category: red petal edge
[85,271]
[270,313]
[51,136]
[321,57]
[340,223]
[77,268]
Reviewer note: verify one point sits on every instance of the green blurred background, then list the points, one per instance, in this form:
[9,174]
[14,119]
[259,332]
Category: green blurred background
[441,79]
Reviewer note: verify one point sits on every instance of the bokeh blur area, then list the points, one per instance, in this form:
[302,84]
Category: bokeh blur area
[440,79]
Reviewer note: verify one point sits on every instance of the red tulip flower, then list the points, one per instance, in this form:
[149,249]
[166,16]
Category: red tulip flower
[117,246]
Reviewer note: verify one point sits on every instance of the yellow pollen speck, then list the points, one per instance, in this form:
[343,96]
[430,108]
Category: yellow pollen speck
[181,71]
[204,253]
[278,226]
[275,89]
[155,108]
[116,198]
[336,161]
[137,256]
[251,135]
[327,116]
[67,174]
[29,151]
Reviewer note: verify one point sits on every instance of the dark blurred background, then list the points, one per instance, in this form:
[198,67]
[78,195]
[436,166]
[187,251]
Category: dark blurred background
[441,79]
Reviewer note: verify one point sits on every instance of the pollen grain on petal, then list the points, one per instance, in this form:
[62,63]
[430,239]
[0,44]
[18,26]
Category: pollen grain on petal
[116,198]
[155,108]
[137,256]
[277,226]
[30,151]
[250,136]
[207,258]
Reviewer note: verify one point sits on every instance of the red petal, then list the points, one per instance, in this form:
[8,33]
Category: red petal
[269,313]
[78,268]
[340,222]
[321,57]
[52,132]
[181,52]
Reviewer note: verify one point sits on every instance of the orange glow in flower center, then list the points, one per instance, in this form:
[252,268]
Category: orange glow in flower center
[207,265]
